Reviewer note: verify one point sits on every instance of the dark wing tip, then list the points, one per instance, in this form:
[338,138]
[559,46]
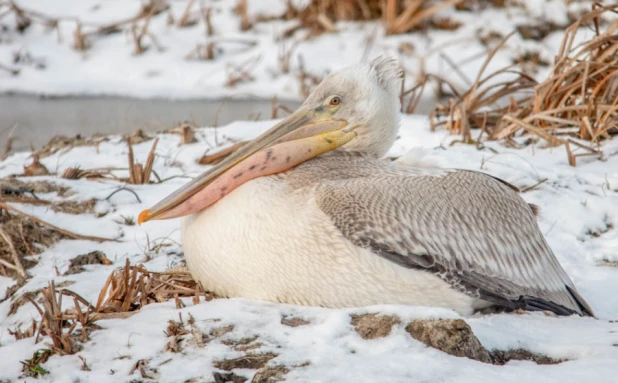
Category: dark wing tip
[581,302]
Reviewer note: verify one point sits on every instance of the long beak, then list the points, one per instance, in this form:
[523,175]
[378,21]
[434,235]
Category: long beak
[303,135]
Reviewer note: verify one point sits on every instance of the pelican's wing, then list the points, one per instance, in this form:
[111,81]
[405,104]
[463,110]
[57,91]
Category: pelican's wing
[470,229]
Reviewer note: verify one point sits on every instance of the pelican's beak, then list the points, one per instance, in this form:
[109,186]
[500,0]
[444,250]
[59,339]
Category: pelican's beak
[305,134]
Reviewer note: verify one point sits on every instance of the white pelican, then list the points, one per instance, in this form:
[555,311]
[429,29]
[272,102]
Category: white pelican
[308,213]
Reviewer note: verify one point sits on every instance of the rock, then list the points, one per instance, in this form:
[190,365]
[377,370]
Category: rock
[372,326]
[228,378]
[452,336]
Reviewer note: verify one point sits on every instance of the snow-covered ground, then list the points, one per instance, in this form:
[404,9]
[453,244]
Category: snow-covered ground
[50,65]
[579,213]
[579,205]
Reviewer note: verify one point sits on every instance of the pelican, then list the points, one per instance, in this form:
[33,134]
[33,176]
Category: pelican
[310,214]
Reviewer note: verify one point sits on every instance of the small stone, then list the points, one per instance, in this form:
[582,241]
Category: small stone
[228,378]
[293,321]
[372,326]
[452,336]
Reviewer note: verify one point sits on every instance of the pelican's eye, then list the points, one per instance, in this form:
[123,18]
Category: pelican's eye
[334,101]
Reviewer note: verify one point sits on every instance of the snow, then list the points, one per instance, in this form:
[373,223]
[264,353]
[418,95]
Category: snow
[109,67]
[574,202]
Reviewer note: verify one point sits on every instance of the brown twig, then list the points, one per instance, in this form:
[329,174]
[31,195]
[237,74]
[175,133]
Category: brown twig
[9,142]
[68,233]
[17,265]
[219,156]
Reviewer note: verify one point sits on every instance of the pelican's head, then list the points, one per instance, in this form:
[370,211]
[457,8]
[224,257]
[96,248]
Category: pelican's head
[366,97]
[355,109]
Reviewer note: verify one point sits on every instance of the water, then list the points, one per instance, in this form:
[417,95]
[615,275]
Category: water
[40,118]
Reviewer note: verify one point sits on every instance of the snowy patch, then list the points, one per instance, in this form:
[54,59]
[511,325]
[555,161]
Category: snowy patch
[579,216]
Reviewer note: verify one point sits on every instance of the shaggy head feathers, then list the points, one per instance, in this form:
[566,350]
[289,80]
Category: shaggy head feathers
[370,103]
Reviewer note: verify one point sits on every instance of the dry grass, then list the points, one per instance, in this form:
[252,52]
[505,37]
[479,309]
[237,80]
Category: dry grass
[186,130]
[76,173]
[138,173]
[8,145]
[36,168]
[124,293]
[13,190]
[241,73]
[64,144]
[179,334]
[215,158]
[578,101]
[399,16]
[132,287]
[22,235]
[18,333]
[247,361]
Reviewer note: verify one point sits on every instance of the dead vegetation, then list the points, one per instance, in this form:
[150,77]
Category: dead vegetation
[21,237]
[215,158]
[15,190]
[181,334]
[145,370]
[399,16]
[186,131]
[53,322]
[18,333]
[84,32]
[124,293]
[64,144]
[36,168]
[270,374]
[138,173]
[247,361]
[578,102]
[132,287]
[77,263]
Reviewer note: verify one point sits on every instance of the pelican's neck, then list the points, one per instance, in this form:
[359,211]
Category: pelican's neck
[376,137]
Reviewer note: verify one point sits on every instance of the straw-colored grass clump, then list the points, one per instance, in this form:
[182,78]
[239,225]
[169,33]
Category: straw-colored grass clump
[577,102]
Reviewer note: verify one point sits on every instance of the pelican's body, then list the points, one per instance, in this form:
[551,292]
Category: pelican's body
[270,240]
[309,213]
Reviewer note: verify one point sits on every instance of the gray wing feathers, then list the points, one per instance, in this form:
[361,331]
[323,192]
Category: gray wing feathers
[472,230]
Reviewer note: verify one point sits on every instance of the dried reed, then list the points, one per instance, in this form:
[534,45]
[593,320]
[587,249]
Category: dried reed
[138,173]
[578,101]
[133,287]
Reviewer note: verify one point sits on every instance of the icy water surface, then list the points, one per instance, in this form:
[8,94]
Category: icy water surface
[41,118]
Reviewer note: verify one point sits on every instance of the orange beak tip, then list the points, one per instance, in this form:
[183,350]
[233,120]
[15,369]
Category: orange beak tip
[143,216]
